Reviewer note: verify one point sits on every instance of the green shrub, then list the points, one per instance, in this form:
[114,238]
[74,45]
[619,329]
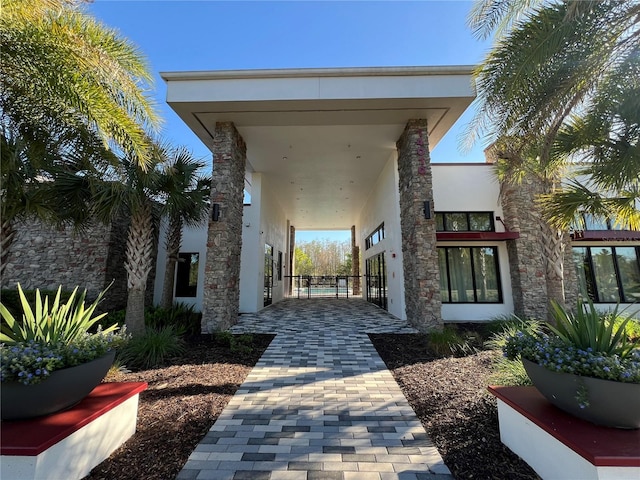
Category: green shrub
[505,327]
[152,348]
[451,341]
[507,371]
[182,317]
[631,329]
[236,343]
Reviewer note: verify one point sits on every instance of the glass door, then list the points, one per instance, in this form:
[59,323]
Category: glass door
[268,274]
[376,278]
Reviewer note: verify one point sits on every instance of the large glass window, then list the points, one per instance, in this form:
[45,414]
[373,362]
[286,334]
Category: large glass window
[469,275]
[187,274]
[376,237]
[464,222]
[608,274]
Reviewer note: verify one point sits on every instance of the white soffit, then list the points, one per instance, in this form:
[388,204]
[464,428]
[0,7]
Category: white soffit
[313,131]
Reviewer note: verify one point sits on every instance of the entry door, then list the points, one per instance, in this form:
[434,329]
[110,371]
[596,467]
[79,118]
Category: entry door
[268,274]
[376,276]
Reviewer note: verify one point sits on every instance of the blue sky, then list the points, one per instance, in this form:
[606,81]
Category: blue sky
[210,35]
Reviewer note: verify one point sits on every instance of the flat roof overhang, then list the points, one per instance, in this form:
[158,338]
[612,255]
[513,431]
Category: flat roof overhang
[321,137]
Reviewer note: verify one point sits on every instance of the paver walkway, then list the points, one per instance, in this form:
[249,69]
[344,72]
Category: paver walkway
[320,403]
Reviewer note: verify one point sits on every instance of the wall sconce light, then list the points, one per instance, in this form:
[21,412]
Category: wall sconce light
[427,209]
[215,212]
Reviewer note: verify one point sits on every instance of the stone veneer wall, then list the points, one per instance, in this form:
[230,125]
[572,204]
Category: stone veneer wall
[421,271]
[526,258]
[532,284]
[224,241]
[46,257]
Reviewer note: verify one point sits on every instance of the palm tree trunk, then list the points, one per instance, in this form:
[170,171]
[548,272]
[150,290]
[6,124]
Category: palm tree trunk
[138,265]
[7,234]
[134,318]
[174,238]
[554,243]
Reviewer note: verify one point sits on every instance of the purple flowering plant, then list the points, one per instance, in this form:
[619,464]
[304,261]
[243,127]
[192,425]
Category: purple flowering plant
[585,342]
[50,338]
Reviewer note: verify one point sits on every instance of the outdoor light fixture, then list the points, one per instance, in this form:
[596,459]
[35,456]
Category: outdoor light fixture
[427,209]
[215,212]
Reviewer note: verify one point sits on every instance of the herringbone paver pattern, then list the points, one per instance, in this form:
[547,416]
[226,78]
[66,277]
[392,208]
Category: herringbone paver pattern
[320,404]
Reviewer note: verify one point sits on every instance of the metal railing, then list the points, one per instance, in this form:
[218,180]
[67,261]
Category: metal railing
[328,286]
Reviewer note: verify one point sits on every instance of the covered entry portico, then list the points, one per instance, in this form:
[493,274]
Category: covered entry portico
[320,149]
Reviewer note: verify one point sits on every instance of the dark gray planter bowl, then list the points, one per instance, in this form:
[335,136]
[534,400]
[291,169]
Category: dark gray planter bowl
[60,390]
[611,404]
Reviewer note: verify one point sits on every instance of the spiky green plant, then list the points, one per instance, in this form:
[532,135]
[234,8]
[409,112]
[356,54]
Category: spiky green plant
[49,324]
[587,328]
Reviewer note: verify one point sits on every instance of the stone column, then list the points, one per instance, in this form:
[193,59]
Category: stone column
[224,242]
[528,277]
[541,263]
[355,262]
[421,271]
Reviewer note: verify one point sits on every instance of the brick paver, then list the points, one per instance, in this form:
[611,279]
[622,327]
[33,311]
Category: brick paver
[319,404]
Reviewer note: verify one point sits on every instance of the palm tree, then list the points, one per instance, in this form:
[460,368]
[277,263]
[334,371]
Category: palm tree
[70,90]
[548,63]
[48,179]
[133,190]
[186,198]
[606,143]
[61,69]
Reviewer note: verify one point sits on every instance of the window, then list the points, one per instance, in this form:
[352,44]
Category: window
[464,222]
[590,222]
[469,275]
[187,274]
[608,274]
[376,237]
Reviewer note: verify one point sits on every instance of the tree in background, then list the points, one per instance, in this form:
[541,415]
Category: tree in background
[302,262]
[322,257]
[134,190]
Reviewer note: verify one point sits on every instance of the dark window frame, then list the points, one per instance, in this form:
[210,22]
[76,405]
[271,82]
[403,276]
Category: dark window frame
[590,274]
[475,301]
[188,290]
[444,213]
[375,237]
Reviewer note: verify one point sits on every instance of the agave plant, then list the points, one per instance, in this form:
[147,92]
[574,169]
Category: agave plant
[588,329]
[53,336]
[58,323]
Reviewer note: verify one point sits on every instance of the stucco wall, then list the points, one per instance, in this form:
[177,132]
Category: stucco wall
[383,205]
[194,240]
[464,188]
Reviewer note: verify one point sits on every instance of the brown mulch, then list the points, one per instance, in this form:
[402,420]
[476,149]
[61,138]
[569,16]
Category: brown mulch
[186,396]
[183,400]
[450,397]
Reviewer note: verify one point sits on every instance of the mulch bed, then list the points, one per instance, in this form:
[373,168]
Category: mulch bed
[450,397]
[183,400]
[186,396]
